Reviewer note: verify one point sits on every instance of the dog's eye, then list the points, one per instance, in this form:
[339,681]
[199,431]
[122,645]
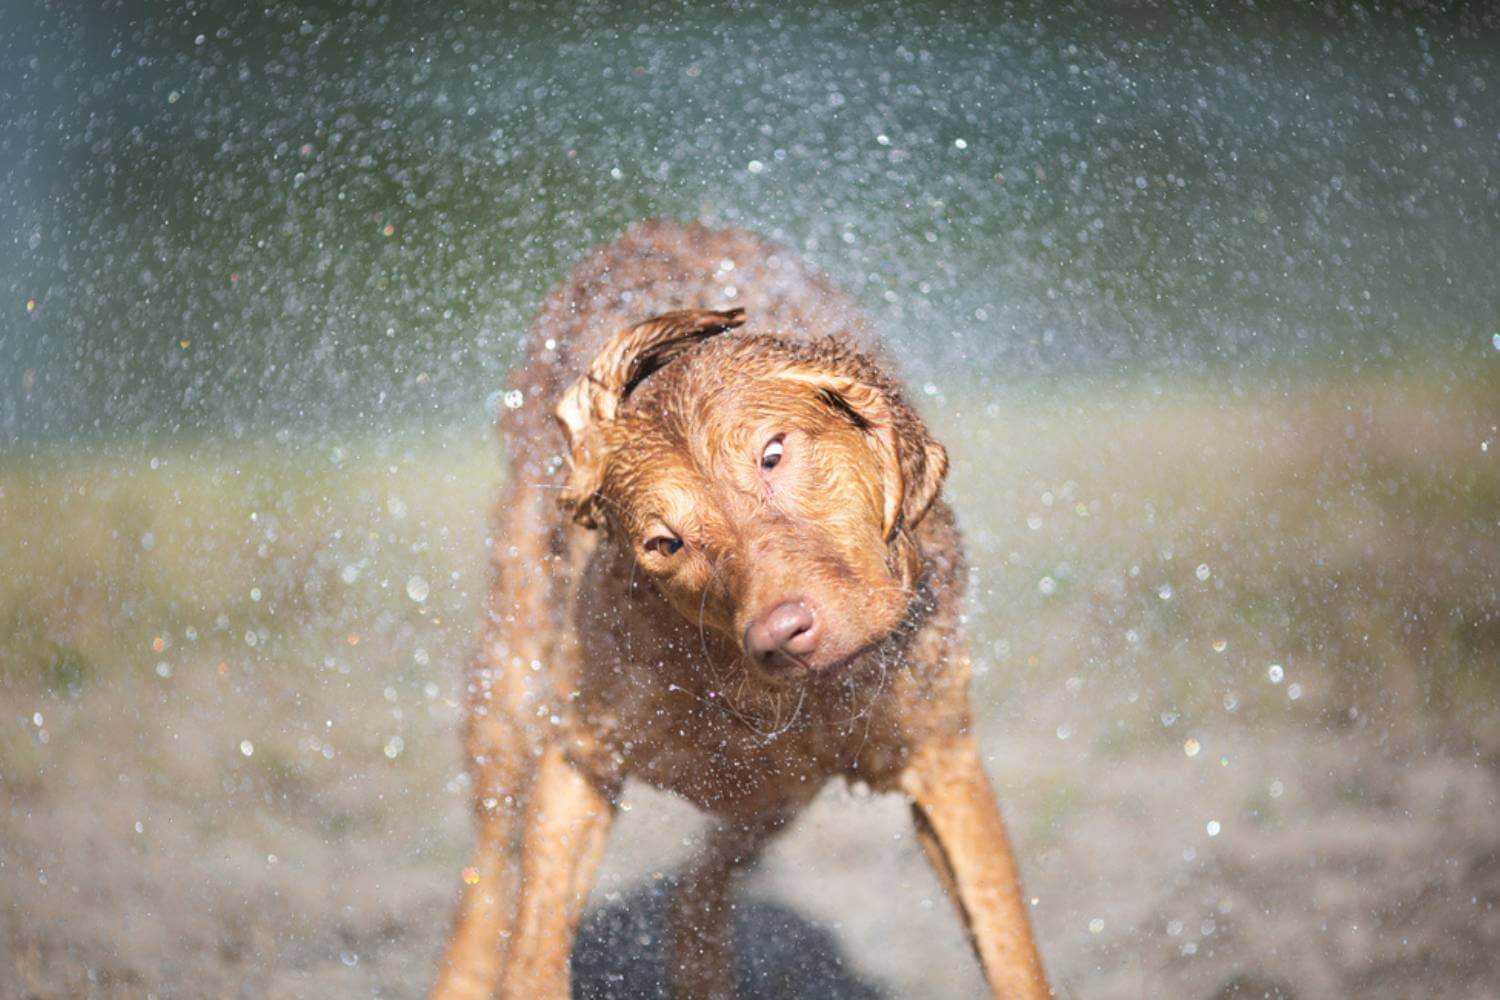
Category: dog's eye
[665,545]
[771,457]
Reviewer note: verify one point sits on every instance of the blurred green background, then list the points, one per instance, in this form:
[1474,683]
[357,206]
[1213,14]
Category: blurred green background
[232,216]
[1202,299]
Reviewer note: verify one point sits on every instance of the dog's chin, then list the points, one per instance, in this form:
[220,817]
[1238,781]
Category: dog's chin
[821,668]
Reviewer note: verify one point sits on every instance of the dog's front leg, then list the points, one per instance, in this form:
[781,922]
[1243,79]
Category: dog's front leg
[567,819]
[959,826]
[702,961]
[499,740]
[481,928]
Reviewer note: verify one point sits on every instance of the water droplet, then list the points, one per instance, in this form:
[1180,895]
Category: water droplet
[1202,572]
[1277,788]
[513,399]
[164,669]
[755,166]
[1034,522]
[1274,673]
[1047,585]
[394,746]
[350,573]
[1064,731]
[246,747]
[1294,691]
[960,144]
[1212,826]
[417,589]
[1191,747]
[1220,645]
[349,958]
[1164,591]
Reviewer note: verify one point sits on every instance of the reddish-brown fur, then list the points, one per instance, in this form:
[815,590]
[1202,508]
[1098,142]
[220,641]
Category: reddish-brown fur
[641,553]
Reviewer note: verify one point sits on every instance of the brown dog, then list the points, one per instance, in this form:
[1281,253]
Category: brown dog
[752,586]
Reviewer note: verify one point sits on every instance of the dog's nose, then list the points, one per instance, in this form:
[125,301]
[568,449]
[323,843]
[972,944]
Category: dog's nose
[790,629]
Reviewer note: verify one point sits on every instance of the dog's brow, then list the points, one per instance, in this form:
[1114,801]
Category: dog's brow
[841,404]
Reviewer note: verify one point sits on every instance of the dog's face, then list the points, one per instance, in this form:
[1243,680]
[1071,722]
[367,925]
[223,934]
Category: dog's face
[765,488]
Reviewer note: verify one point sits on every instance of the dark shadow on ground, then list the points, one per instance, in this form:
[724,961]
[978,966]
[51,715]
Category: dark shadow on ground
[621,953]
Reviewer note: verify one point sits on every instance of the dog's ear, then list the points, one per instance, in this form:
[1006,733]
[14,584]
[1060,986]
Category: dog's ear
[623,363]
[914,464]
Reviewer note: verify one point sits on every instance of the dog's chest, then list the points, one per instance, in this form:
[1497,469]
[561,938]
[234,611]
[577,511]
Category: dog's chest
[730,763]
[728,753]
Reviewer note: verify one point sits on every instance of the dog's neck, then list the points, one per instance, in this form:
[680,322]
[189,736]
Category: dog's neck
[717,673]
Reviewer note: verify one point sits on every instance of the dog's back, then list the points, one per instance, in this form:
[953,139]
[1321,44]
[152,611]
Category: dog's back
[655,267]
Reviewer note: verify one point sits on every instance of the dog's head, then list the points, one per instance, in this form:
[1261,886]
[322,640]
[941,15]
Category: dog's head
[767,488]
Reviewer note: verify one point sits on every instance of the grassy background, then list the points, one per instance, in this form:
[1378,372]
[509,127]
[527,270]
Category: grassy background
[1345,528]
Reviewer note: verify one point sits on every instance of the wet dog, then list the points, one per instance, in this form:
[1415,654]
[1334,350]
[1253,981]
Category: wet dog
[731,575]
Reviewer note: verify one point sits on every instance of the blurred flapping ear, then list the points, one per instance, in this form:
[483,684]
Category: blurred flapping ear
[624,362]
[913,464]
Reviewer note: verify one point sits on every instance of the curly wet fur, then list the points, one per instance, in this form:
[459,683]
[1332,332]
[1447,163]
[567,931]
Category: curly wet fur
[604,659]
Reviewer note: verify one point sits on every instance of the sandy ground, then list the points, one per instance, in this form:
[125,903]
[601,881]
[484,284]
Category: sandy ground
[1338,869]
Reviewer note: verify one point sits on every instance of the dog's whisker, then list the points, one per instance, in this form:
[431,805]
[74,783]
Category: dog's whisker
[867,712]
[702,605]
[870,709]
[765,729]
